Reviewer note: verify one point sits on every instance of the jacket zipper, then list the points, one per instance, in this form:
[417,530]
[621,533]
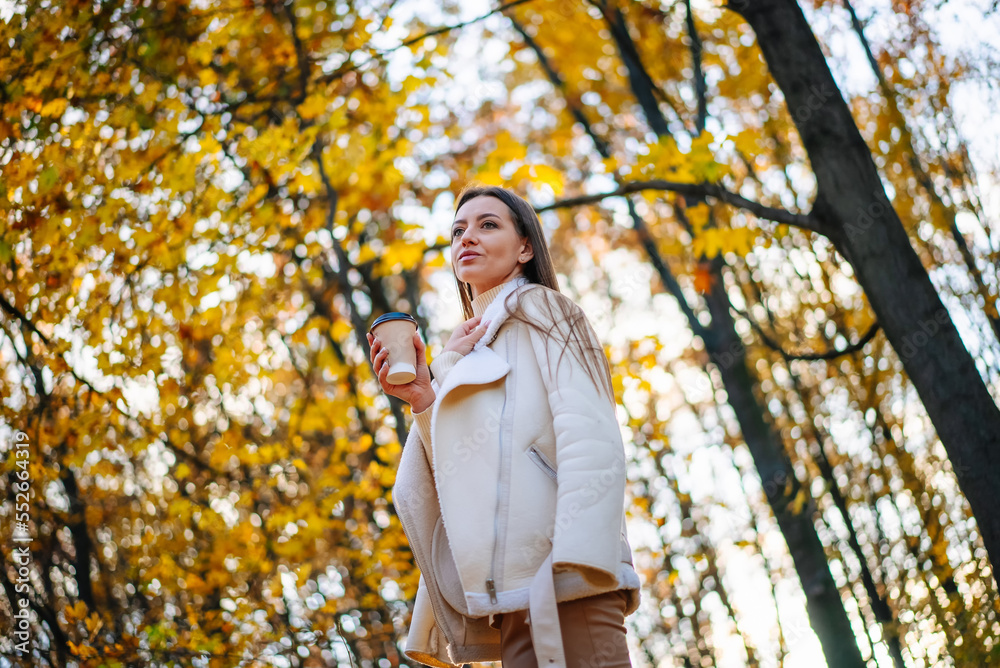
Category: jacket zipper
[541,461]
[491,587]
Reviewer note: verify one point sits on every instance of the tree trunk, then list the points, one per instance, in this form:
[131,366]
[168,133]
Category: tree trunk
[861,223]
[790,501]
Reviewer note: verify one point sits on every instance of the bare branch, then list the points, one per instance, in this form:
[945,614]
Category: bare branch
[810,357]
[714,190]
[16,313]
[419,38]
[700,86]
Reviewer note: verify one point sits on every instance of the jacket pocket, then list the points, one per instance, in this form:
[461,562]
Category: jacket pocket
[446,571]
[542,461]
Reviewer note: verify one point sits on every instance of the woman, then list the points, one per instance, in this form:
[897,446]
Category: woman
[511,486]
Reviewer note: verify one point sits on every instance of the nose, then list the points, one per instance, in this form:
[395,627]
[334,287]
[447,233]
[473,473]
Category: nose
[467,239]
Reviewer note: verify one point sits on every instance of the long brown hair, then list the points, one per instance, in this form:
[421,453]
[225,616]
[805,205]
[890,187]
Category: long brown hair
[573,332]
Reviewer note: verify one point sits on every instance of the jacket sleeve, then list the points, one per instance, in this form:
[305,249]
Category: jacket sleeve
[590,454]
[424,641]
[440,367]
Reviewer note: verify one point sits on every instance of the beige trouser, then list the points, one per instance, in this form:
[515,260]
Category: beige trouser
[593,633]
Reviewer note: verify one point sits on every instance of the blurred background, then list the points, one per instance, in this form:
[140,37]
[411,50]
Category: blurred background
[206,203]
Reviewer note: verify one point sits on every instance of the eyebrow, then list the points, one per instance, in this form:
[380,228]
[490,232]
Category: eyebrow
[479,217]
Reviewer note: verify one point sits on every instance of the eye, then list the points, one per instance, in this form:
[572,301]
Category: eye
[490,222]
[455,231]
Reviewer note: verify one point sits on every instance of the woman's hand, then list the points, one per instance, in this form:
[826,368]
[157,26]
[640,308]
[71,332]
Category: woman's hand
[465,335]
[418,392]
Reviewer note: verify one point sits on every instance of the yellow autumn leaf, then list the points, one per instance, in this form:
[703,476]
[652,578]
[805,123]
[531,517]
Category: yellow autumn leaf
[83,651]
[365,254]
[746,238]
[540,174]
[93,622]
[747,142]
[55,108]
[195,583]
[701,243]
[698,215]
[508,149]
[340,329]
[490,178]
[702,162]
[75,611]
[314,106]
[669,247]
[402,255]
[663,159]
[436,261]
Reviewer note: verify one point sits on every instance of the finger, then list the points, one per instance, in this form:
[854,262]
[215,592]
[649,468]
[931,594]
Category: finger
[382,373]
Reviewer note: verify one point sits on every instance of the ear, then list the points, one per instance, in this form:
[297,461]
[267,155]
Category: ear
[527,253]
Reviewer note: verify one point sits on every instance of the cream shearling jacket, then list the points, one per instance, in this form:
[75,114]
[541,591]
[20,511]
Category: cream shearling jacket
[510,490]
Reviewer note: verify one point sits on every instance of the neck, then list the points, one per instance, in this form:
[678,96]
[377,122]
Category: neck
[478,289]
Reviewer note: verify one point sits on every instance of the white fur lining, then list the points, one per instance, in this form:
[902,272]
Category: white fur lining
[495,309]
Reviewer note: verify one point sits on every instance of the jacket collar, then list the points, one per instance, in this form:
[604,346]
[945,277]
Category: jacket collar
[481,365]
[477,368]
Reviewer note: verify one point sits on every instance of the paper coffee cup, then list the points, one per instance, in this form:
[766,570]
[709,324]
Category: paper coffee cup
[395,331]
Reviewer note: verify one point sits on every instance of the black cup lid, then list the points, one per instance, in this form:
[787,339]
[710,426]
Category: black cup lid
[392,315]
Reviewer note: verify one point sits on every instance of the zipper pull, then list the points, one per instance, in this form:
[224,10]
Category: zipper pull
[492,589]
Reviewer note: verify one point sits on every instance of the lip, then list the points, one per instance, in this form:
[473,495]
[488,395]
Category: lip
[467,255]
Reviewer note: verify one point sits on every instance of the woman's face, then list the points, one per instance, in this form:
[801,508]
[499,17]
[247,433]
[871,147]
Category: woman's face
[484,233]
